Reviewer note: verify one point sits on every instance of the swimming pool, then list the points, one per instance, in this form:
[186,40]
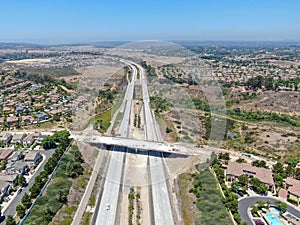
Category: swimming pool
[273,220]
[275,210]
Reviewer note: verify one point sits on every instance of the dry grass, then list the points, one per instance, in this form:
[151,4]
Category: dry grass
[189,209]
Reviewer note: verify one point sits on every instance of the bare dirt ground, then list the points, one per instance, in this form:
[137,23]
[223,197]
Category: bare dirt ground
[187,200]
[135,131]
[94,76]
[124,208]
[136,176]
[28,61]
[287,102]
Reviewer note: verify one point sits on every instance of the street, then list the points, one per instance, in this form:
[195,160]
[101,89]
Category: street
[11,209]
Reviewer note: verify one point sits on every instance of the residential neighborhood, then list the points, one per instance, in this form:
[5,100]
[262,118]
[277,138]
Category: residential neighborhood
[255,177]
[27,103]
[20,154]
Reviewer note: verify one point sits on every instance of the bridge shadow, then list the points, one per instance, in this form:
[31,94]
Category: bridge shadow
[150,152]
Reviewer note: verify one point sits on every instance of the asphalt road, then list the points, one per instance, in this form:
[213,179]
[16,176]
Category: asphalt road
[11,209]
[160,202]
[107,213]
[160,193]
[127,102]
[245,203]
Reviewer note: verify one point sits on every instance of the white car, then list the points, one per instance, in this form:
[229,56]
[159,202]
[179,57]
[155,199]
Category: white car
[107,206]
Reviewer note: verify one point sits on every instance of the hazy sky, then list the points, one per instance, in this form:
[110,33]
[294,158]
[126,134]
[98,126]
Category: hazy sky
[101,20]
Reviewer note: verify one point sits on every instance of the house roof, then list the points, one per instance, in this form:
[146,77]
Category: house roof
[12,119]
[5,136]
[294,186]
[55,111]
[19,136]
[283,193]
[31,156]
[27,118]
[32,136]
[8,177]
[238,169]
[6,153]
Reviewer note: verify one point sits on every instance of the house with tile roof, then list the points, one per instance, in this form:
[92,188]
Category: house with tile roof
[293,188]
[235,169]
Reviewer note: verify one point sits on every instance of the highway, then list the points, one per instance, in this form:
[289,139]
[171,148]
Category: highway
[161,202]
[135,144]
[108,210]
[127,103]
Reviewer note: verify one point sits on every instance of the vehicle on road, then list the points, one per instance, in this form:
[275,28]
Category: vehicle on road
[19,190]
[6,198]
[108,207]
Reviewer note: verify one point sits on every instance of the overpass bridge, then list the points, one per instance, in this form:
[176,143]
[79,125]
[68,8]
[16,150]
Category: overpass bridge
[146,145]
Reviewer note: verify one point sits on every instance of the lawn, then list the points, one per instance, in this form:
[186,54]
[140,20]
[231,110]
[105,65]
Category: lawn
[106,117]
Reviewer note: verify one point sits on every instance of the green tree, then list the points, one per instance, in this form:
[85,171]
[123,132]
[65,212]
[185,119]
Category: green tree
[258,186]
[260,204]
[292,161]
[77,154]
[262,189]
[62,196]
[48,214]
[278,168]
[21,180]
[281,206]
[255,82]
[243,180]
[26,201]
[235,186]
[278,179]
[48,142]
[240,160]
[297,173]
[260,163]
[289,171]
[62,137]
[3,164]
[10,220]
[224,156]
[20,211]
[255,209]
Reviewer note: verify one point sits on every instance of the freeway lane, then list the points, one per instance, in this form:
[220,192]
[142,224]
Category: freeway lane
[247,202]
[125,123]
[107,212]
[160,193]
[109,204]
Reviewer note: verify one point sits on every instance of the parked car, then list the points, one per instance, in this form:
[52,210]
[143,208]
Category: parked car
[19,190]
